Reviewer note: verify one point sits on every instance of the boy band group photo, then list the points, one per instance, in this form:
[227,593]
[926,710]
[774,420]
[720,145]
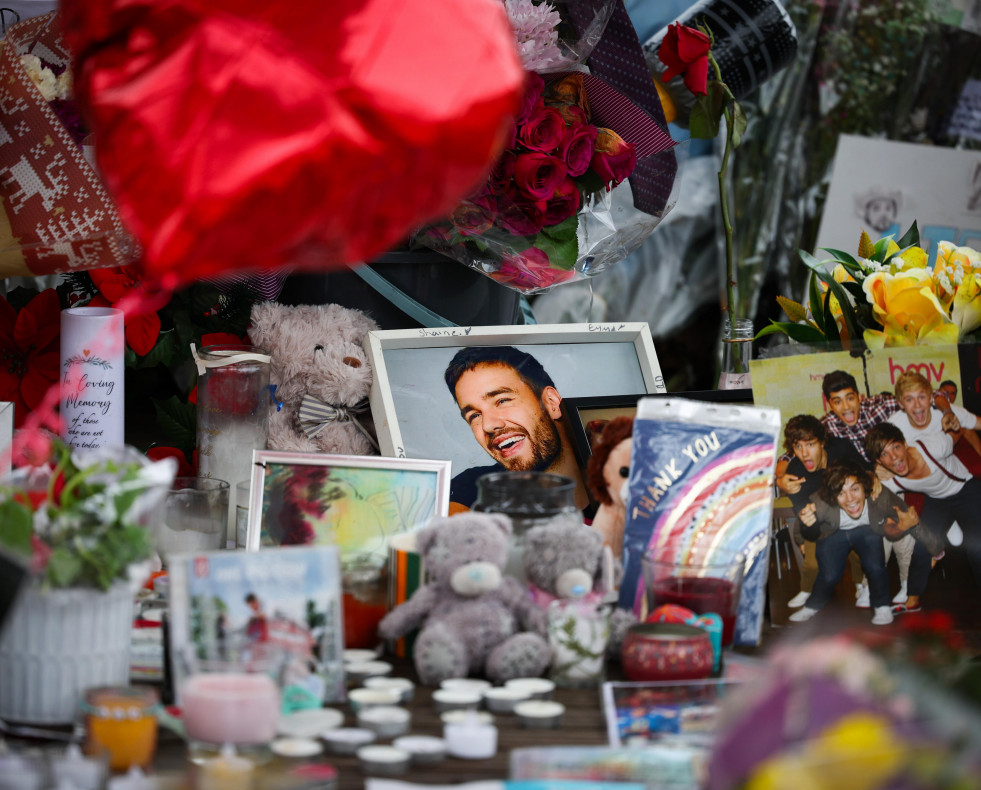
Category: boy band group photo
[890,475]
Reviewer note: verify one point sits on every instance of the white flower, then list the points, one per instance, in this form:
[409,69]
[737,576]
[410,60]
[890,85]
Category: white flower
[535,33]
[43,77]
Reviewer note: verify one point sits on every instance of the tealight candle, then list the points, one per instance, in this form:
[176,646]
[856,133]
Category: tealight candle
[347,740]
[385,721]
[405,687]
[539,713]
[227,771]
[451,699]
[383,760]
[422,749]
[296,747]
[470,738]
[362,698]
[309,723]
[502,699]
[457,716]
[358,656]
[466,684]
[360,671]
[537,688]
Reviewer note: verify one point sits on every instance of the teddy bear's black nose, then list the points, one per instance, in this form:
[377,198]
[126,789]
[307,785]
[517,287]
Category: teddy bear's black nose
[318,347]
[624,471]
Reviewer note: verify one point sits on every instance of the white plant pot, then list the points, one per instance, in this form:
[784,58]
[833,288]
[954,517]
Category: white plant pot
[58,643]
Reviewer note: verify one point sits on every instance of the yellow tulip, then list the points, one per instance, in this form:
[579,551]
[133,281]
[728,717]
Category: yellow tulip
[966,313]
[912,258]
[906,305]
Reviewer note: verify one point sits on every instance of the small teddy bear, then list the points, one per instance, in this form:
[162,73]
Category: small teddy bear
[570,561]
[474,620]
[606,477]
[321,377]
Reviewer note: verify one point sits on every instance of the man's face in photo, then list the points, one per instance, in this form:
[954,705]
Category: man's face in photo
[894,458]
[916,404]
[880,213]
[845,403]
[811,453]
[851,498]
[949,391]
[507,419]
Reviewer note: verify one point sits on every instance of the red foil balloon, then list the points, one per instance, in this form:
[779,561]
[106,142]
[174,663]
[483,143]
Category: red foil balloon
[256,134]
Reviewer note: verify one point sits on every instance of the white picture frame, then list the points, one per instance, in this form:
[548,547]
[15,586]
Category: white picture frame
[416,417]
[403,494]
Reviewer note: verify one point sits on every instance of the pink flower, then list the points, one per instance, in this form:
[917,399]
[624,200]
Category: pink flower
[534,90]
[502,173]
[543,131]
[565,202]
[530,270]
[521,217]
[577,148]
[537,175]
[475,215]
[613,158]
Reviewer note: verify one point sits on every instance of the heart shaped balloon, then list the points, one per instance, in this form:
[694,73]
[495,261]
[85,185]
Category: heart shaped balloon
[255,135]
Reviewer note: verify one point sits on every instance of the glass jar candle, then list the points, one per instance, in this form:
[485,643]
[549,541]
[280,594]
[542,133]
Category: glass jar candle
[121,723]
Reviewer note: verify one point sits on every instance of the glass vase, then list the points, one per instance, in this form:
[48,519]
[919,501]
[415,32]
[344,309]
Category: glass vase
[737,351]
[578,633]
[232,413]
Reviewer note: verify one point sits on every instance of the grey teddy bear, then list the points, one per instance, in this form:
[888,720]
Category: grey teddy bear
[474,620]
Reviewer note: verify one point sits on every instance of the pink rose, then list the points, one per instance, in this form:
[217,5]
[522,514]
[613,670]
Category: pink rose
[475,215]
[613,158]
[537,175]
[530,270]
[520,216]
[543,131]
[502,173]
[534,90]
[577,148]
[565,202]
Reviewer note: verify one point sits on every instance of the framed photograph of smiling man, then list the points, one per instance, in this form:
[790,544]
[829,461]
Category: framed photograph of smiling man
[489,398]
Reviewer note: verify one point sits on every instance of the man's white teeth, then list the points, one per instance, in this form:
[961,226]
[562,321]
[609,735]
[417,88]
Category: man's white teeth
[507,443]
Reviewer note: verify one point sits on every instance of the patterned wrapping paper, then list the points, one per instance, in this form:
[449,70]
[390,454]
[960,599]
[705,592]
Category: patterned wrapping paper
[57,216]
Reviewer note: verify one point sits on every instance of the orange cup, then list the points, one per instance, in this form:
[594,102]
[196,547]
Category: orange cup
[121,723]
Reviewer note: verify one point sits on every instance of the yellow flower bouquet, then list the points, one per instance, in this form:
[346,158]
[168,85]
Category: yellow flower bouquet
[887,295]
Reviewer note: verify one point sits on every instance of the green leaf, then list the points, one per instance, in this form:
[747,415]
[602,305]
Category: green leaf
[802,333]
[814,301]
[162,353]
[840,294]
[561,243]
[911,238]
[16,527]
[706,115]
[848,260]
[590,182]
[178,422]
[63,567]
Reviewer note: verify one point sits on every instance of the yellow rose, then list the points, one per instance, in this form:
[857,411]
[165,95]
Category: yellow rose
[906,305]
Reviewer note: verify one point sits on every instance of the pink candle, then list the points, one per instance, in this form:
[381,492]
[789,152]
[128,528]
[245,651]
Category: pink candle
[230,707]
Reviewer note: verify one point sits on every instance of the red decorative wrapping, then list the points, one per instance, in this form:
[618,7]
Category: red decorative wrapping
[249,134]
[57,215]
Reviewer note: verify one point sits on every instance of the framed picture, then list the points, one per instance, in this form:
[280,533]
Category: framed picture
[588,416]
[418,415]
[354,502]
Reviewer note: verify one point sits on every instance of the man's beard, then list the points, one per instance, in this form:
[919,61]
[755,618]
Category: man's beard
[546,446]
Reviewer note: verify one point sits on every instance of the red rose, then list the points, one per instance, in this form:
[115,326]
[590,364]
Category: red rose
[537,175]
[543,131]
[520,217]
[613,158]
[475,215]
[565,202]
[684,50]
[502,173]
[577,148]
[530,270]
[185,468]
[29,352]
[534,88]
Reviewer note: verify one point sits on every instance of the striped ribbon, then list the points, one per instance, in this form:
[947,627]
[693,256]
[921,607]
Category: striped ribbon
[315,415]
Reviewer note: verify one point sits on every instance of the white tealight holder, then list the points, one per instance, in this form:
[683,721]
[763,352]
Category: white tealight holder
[457,716]
[537,688]
[540,714]
[466,684]
[406,688]
[423,749]
[309,723]
[502,699]
[358,656]
[296,748]
[347,740]
[362,698]
[469,738]
[383,760]
[361,671]
[384,720]
[451,699]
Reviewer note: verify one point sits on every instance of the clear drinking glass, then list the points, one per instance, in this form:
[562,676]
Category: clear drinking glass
[195,515]
[528,499]
[578,633]
[232,412]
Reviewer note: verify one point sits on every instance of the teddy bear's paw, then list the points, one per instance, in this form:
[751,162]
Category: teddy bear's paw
[521,656]
[439,654]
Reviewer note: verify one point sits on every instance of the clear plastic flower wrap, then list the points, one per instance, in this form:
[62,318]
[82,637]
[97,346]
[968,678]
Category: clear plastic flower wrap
[557,35]
[558,206]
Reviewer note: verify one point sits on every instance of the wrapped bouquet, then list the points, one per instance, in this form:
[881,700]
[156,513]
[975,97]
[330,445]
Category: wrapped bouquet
[565,199]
